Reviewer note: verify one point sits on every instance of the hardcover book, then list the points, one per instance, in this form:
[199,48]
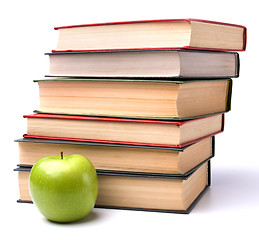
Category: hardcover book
[145,64]
[163,193]
[122,130]
[132,98]
[153,34]
[121,157]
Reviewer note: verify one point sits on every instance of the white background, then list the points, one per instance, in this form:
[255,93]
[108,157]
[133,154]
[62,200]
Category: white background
[231,206]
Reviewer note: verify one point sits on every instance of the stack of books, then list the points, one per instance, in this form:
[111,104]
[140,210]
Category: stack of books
[143,101]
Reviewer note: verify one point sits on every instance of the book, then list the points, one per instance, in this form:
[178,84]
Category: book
[164,33]
[131,98]
[122,130]
[144,64]
[121,157]
[163,193]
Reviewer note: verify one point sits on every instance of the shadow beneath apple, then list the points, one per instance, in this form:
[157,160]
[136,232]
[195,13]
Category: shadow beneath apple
[93,216]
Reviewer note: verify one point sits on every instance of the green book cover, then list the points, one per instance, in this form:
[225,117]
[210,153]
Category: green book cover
[130,80]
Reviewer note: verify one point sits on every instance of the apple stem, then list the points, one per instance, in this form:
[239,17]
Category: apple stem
[61,153]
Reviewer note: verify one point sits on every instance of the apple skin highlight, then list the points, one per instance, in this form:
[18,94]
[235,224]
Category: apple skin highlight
[64,188]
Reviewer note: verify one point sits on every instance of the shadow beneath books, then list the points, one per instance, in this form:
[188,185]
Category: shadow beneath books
[231,190]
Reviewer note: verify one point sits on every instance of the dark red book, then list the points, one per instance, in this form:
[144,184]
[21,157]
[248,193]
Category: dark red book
[123,130]
[153,34]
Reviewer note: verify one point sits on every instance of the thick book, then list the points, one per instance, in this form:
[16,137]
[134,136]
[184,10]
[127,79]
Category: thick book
[123,130]
[132,98]
[162,193]
[169,63]
[153,34]
[121,157]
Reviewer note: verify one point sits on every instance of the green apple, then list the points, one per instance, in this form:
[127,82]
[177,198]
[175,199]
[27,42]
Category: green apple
[64,188]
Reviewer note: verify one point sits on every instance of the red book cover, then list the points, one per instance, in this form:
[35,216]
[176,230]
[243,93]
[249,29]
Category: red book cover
[154,20]
[189,20]
[89,118]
